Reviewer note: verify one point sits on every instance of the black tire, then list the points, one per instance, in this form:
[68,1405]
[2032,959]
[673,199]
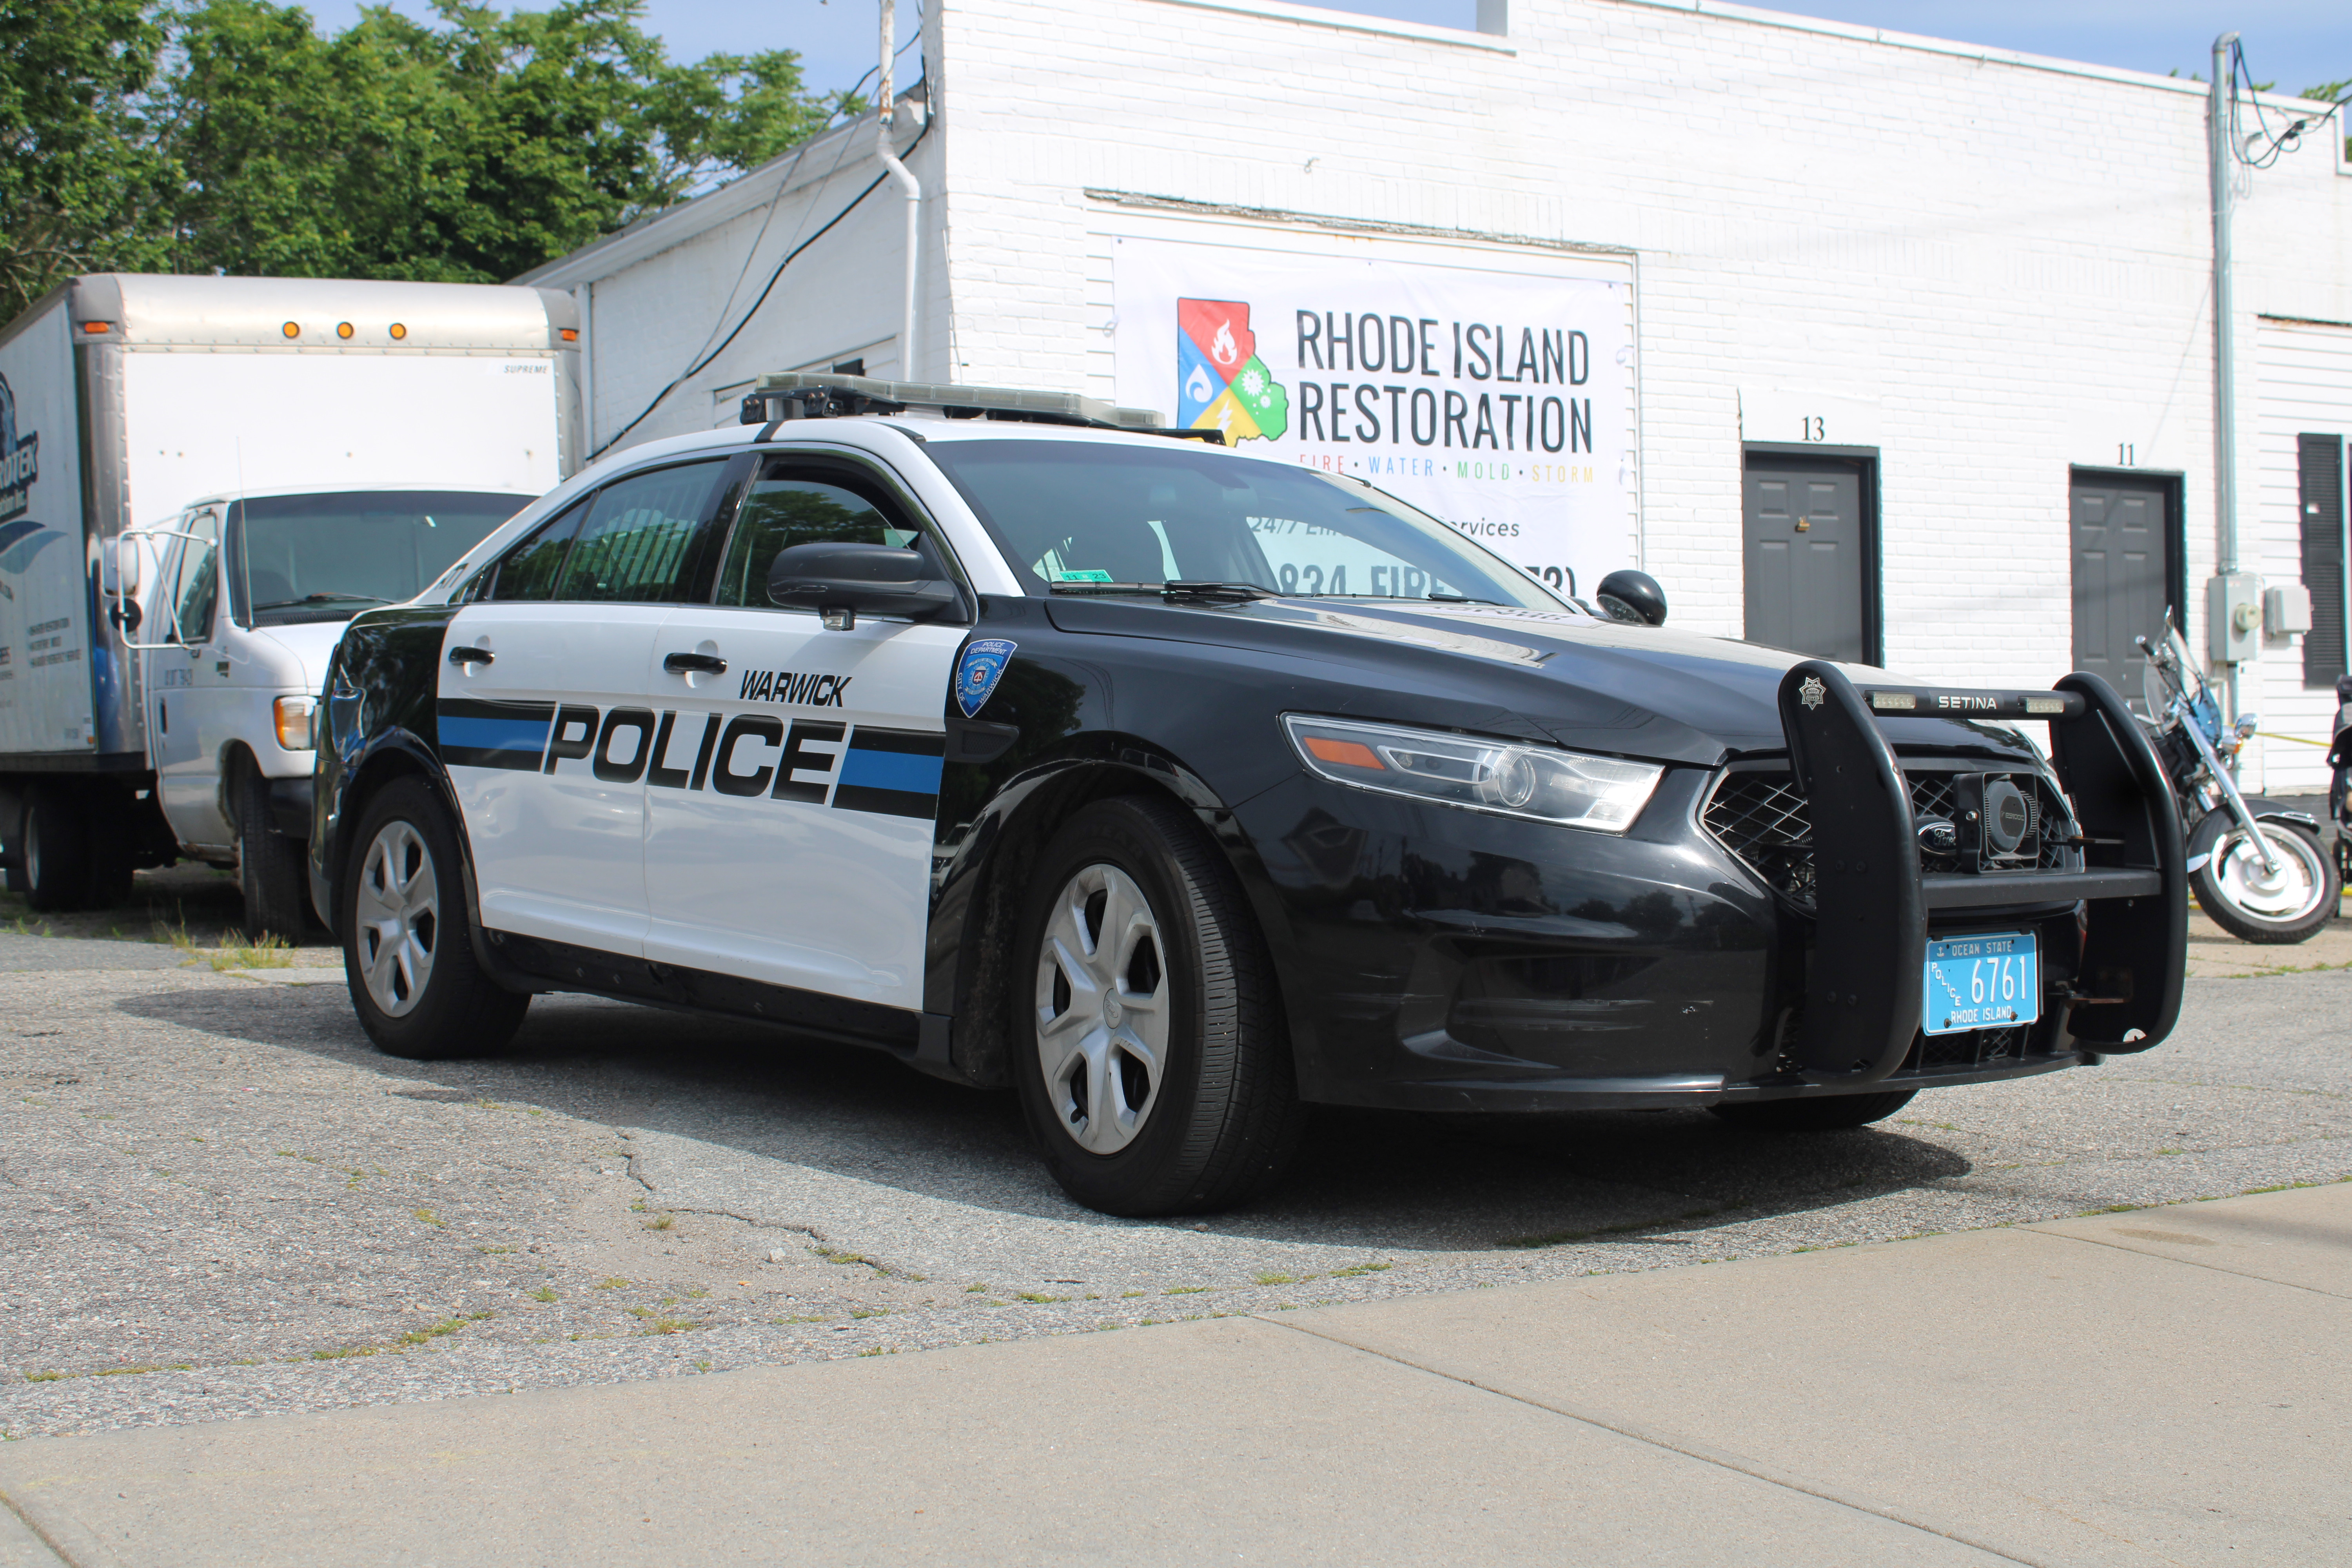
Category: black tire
[1222,1118]
[437,1002]
[270,868]
[110,849]
[56,851]
[2237,896]
[1816,1113]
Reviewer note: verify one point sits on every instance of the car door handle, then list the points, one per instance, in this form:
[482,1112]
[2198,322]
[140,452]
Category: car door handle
[694,664]
[471,656]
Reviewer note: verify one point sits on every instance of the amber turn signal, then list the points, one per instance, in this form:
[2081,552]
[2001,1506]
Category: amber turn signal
[343,329]
[292,329]
[398,331]
[569,335]
[96,327]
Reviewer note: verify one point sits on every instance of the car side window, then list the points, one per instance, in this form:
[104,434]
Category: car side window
[196,582]
[789,505]
[530,569]
[638,544]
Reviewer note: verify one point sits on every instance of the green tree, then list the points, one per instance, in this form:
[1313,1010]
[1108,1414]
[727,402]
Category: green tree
[77,183]
[227,135]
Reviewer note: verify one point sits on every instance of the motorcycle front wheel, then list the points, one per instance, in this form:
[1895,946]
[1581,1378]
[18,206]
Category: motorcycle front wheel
[2287,905]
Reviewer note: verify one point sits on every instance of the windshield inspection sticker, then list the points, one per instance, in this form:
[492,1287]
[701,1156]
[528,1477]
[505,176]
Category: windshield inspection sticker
[979,670]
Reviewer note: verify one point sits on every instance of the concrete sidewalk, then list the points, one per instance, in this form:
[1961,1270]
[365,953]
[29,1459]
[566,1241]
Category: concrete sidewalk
[2158,1386]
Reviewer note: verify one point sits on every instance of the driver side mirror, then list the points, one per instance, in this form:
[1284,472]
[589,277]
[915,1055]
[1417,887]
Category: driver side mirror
[1634,597]
[840,581]
[121,575]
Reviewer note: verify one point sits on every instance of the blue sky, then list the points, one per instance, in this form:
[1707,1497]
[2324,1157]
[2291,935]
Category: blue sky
[2297,43]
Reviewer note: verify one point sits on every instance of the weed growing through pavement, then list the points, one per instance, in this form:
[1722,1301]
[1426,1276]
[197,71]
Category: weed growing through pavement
[611,1284]
[429,1218]
[1032,1296]
[1185,1290]
[975,1289]
[1278,1279]
[662,1222]
[544,1293]
[1360,1269]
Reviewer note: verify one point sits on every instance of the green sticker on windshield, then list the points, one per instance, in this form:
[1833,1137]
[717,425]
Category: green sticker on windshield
[1066,575]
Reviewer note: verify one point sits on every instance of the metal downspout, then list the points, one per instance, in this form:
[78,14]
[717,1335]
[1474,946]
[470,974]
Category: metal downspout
[2225,336]
[907,182]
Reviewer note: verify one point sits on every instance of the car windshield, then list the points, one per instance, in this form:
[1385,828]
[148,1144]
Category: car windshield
[326,557]
[1084,516]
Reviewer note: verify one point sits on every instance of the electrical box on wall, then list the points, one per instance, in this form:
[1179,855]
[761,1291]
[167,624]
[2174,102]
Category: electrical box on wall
[2286,611]
[2233,617]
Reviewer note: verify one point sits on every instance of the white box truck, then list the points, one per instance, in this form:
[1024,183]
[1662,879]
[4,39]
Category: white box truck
[201,479]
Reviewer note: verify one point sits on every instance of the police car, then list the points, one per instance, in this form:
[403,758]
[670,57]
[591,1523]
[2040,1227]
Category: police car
[1175,790]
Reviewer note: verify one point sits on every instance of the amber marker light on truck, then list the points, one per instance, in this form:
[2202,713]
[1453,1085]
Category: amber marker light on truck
[96,327]
[294,715]
[569,335]
[343,329]
[292,329]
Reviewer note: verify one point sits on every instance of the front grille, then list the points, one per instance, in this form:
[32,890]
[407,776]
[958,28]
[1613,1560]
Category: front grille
[1932,1053]
[1760,817]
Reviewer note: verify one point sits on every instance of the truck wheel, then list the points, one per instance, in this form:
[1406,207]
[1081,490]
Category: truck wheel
[1821,1113]
[56,851]
[408,950]
[1148,1048]
[269,866]
[2254,905]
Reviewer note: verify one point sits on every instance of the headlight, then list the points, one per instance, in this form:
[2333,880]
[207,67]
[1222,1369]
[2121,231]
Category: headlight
[1541,784]
[294,716]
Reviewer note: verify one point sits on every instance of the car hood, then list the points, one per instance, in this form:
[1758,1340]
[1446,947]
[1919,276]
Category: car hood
[1633,691]
[303,651]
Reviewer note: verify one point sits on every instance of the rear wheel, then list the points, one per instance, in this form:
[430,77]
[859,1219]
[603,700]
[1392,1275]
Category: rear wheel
[1150,1052]
[408,950]
[1819,1113]
[2286,903]
[269,866]
[55,856]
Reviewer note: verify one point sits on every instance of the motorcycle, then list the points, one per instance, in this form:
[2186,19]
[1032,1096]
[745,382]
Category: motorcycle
[2339,783]
[2255,865]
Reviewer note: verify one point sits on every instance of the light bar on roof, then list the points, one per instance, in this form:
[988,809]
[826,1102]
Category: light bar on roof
[795,394]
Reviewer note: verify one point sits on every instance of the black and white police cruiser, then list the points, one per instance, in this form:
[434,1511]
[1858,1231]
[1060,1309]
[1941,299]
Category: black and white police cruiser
[1176,789]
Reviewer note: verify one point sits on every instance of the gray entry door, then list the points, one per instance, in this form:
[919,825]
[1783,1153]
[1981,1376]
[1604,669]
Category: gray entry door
[1807,553]
[2123,573]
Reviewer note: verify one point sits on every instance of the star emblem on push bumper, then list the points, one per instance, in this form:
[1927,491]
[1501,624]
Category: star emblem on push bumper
[1810,691]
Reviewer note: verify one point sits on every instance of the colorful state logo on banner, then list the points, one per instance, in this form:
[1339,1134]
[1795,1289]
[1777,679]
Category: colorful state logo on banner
[1221,383]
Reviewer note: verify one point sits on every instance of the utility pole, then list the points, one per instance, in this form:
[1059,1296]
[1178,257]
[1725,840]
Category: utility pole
[2232,598]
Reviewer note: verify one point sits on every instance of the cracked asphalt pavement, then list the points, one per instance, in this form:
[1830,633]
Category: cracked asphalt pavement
[218,1200]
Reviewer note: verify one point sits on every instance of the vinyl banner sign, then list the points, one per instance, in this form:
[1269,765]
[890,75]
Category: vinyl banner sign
[1500,402]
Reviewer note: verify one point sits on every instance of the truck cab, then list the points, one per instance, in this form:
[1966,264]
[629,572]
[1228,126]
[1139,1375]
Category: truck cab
[247,595]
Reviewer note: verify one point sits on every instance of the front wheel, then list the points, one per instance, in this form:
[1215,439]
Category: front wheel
[1148,1049]
[2285,904]
[408,950]
[269,868]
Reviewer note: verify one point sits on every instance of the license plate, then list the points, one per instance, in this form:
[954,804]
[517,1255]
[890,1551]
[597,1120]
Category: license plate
[1981,982]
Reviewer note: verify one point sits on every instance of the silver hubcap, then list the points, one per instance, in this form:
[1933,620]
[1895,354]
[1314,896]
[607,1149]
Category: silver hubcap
[1102,1009]
[398,918]
[2284,896]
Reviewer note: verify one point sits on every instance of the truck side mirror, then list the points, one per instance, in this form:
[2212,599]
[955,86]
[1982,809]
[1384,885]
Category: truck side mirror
[120,567]
[1630,595]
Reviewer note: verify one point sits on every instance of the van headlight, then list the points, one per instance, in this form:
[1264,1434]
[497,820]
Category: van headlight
[1542,784]
[294,717]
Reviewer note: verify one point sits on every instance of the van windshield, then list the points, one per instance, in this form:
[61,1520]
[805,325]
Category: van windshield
[1087,516]
[326,557]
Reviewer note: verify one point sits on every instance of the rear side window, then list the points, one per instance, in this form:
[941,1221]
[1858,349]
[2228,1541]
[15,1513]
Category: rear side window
[532,568]
[638,541]
[788,506]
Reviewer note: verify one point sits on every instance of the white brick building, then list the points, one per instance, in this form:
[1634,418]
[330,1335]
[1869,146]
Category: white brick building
[1970,288]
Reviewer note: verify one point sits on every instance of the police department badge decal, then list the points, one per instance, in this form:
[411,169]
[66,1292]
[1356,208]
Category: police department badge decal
[1811,691]
[979,670]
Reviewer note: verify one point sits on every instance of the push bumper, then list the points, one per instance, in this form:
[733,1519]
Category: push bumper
[1873,902]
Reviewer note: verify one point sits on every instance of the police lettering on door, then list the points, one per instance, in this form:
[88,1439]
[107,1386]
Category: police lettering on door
[816,762]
